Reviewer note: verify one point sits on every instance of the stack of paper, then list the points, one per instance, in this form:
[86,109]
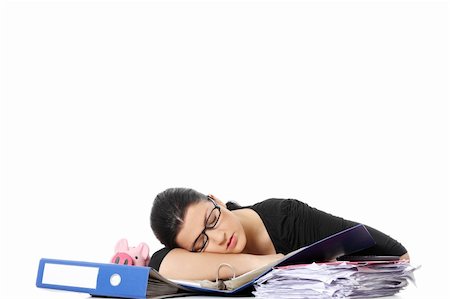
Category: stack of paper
[336,280]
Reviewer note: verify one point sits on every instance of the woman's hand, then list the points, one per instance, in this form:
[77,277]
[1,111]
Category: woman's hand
[405,257]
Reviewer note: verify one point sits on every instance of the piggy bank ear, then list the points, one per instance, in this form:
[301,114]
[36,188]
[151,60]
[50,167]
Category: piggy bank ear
[122,245]
[144,250]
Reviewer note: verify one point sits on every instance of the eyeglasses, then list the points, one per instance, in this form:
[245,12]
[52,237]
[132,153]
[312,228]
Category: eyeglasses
[202,239]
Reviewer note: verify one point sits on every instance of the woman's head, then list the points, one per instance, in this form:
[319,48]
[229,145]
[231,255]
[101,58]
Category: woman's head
[168,211]
[188,219]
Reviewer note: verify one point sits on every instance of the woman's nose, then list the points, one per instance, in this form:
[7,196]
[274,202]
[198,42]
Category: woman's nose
[217,236]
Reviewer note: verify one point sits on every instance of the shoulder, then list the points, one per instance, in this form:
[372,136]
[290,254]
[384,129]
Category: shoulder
[279,208]
[278,204]
[157,257]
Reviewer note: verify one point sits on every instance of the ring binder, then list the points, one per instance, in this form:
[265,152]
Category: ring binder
[220,282]
[225,265]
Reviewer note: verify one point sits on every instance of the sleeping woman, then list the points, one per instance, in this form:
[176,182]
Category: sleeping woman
[200,232]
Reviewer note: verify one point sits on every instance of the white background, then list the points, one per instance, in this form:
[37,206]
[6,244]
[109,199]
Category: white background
[343,105]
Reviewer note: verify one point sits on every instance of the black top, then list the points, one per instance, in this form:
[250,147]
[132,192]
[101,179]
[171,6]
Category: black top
[292,224]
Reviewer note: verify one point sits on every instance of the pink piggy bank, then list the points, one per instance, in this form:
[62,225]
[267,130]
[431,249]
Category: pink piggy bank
[125,255]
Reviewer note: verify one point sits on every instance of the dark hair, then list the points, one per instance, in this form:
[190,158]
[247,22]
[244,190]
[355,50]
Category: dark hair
[168,211]
[232,205]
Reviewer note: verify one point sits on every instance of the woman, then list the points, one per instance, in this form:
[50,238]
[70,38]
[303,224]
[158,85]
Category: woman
[200,232]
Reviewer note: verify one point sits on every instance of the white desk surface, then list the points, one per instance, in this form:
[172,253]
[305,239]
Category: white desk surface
[411,292]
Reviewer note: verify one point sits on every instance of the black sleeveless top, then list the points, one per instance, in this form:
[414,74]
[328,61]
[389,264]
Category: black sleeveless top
[292,224]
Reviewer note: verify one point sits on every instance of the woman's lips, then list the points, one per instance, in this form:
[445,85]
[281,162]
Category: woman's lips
[232,242]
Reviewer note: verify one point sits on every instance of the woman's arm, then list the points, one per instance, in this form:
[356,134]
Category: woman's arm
[182,264]
[405,257]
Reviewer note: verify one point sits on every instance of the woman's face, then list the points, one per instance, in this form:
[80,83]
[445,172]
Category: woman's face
[226,236]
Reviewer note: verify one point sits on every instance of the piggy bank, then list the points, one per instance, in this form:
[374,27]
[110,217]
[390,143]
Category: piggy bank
[132,256]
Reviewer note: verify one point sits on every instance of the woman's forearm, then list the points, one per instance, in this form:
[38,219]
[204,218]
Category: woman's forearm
[182,264]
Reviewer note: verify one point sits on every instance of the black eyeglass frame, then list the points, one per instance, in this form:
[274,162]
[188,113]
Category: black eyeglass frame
[207,227]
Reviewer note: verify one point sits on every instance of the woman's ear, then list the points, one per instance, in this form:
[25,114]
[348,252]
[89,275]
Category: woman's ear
[218,201]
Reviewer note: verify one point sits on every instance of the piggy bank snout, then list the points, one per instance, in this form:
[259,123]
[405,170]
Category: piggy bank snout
[122,258]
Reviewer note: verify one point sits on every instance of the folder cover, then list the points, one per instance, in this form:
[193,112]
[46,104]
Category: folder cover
[94,278]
